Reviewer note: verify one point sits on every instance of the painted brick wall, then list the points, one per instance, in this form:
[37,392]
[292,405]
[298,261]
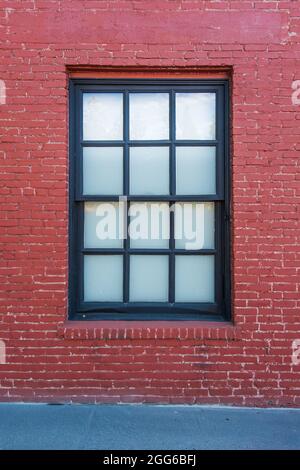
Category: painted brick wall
[247,363]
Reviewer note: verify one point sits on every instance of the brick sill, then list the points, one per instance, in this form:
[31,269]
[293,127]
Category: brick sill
[159,330]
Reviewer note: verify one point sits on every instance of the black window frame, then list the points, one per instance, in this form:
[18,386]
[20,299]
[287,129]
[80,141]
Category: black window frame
[220,310]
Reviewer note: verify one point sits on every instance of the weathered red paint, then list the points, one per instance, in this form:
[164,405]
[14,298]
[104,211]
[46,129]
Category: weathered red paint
[50,359]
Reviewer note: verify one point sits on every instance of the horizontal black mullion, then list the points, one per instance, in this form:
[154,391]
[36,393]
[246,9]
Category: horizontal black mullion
[148,143]
[148,251]
[167,251]
[102,143]
[196,143]
[97,198]
[202,251]
[103,251]
[150,198]
[132,143]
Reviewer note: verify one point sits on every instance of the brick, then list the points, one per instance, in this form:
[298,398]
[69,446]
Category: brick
[247,363]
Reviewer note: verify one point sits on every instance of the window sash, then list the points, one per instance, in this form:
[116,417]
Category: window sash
[219,309]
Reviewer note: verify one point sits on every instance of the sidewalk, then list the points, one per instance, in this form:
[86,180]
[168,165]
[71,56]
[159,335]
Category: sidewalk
[134,427]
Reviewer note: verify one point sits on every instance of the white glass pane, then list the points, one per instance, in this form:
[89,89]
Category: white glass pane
[149,116]
[149,278]
[195,170]
[103,278]
[149,170]
[194,278]
[194,225]
[102,116]
[103,170]
[103,225]
[149,225]
[195,116]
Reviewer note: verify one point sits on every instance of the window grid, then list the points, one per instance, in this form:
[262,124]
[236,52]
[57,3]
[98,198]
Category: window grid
[189,310]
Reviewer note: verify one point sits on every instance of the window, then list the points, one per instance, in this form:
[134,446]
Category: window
[149,199]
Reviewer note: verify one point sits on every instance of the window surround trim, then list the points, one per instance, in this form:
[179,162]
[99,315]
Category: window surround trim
[212,311]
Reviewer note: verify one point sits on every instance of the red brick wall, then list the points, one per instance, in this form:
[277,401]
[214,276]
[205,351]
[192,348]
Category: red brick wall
[247,363]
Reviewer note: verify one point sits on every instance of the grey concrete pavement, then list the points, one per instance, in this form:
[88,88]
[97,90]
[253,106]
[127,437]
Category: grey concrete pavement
[148,427]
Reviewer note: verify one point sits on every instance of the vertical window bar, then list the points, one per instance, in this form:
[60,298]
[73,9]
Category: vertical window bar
[220,144]
[79,185]
[219,207]
[172,173]
[172,258]
[79,147]
[80,247]
[218,255]
[172,146]
[126,261]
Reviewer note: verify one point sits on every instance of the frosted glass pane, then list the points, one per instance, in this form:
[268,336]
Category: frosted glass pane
[149,225]
[103,278]
[102,116]
[194,279]
[149,116]
[103,225]
[149,278]
[195,116]
[195,170]
[103,170]
[149,170]
[194,225]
